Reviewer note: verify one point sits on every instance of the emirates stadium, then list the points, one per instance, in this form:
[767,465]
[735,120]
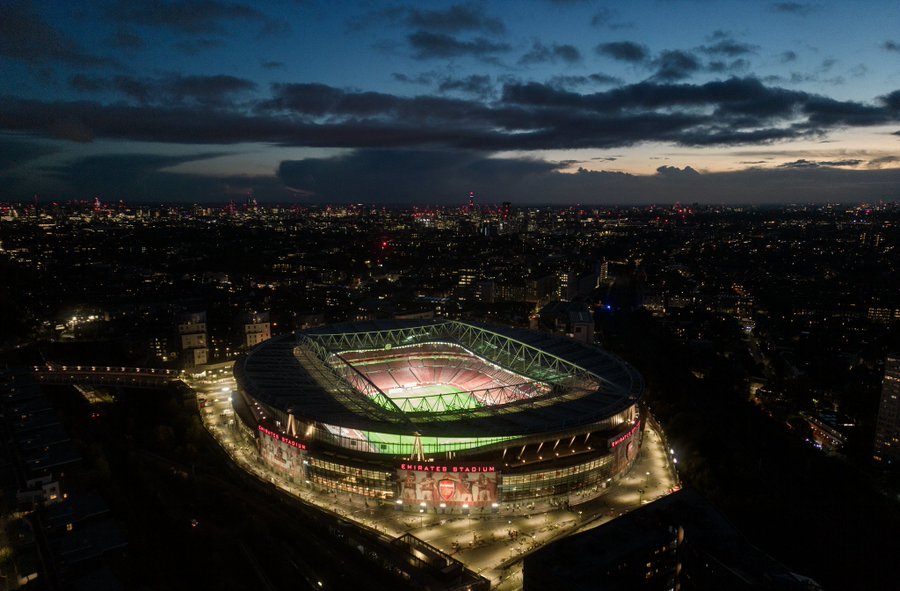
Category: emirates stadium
[442,413]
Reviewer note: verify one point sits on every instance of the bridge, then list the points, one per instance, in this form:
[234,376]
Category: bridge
[106,375]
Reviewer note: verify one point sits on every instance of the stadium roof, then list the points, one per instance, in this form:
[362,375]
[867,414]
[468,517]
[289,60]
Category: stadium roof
[290,377]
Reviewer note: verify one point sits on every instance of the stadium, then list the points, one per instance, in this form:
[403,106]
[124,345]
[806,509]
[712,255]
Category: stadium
[441,413]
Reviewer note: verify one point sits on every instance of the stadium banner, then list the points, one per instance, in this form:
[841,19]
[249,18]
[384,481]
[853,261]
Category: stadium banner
[281,453]
[450,484]
[625,447]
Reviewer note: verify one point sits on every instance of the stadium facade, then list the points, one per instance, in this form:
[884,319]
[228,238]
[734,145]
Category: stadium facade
[441,413]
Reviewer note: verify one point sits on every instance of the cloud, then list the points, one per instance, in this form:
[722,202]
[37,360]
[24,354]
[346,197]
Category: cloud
[115,174]
[524,116]
[18,150]
[144,177]
[408,175]
[271,65]
[474,85]
[607,17]
[196,17]
[787,56]
[25,36]
[733,67]
[401,176]
[603,17]
[729,48]
[541,53]
[457,18]
[796,8]
[210,91]
[891,101]
[428,45]
[575,81]
[879,162]
[804,163]
[674,171]
[624,51]
[423,79]
[674,65]
[891,46]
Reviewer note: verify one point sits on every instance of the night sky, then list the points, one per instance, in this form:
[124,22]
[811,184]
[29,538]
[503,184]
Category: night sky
[560,101]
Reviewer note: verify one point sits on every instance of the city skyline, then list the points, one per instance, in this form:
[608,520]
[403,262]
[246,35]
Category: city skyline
[538,102]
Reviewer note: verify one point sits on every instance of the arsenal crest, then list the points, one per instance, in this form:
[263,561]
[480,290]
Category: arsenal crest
[446,488]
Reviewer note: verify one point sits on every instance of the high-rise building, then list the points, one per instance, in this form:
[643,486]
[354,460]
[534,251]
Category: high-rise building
[255,328]
[566,285]
[467,276]
[192,338]
[887,429]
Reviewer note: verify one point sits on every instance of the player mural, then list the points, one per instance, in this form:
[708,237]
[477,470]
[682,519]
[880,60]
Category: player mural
[285,455]
[452,485]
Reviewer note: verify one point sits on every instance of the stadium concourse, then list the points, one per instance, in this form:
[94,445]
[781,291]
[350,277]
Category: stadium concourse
[441,416]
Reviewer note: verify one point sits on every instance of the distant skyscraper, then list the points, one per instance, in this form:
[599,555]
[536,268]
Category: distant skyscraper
[887,429]
[471,202]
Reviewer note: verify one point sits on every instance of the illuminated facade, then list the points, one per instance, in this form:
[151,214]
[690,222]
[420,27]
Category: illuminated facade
[887,429]
[442,413]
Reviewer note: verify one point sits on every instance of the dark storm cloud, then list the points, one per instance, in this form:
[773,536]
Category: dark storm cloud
[674,171]
[733,67]
[798,8]
[116,174]
[25,36]
[201,16]
[320,99]
[425,79]
[624,51]
[474,85]
[526,116]
[18,150]
[407,175]
[458,18]
[541,53]
[804,163]
[206,90]
[137,177]
[576,81]
[672,65]
[891,101]
[427,45]
[434,176]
